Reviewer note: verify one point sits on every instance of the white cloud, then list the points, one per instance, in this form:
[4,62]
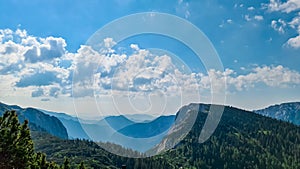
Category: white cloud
[134,46]
[247,18]
[238,5]
[5,35]
[33,63]
[278,25]
[229,21]
[182,8]
[295,22]
[287,7]
[294,42]
[47,49]
[90,65]
[251,8]
[143,71]
[272,76]
[104,72]
[226,22]
[109,42]
[258,17]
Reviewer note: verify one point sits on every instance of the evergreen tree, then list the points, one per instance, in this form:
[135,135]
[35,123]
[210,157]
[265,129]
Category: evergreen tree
[16,146]
[81,166]
[66,164]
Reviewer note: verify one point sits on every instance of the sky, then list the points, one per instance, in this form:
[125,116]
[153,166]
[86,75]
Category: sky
[46,60]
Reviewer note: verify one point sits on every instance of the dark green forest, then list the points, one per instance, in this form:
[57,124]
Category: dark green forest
[242,140]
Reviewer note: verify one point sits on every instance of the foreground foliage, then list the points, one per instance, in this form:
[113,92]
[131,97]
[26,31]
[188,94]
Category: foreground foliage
[16,146]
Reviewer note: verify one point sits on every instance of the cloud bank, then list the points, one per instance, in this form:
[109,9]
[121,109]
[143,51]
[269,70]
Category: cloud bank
[43,68]
[287,6]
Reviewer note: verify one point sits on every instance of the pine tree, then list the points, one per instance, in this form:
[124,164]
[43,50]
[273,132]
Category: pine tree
[66,164]
[16,146]
[81,166]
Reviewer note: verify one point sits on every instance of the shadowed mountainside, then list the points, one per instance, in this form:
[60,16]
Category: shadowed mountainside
[38,119]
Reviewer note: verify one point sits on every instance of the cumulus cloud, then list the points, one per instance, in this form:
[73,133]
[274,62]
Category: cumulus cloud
[54,91]
[48,49]
[295,22]
[294,42]
[229,21]
[251,8]
[287,7]
[5,35]
[272,76]
[37,93]
[255,17]
[34,62]
[144,72]
[258,17]
[278,25]
[134,46]
[89,73]
[37,79]
[247,18]
[90,65]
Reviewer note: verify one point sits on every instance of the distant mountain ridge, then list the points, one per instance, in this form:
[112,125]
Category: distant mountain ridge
[116,122]
[109,128]
[79,128]
[140,117]
[149,129]
[71,124]
[104,130]
[289,112]
[39,119]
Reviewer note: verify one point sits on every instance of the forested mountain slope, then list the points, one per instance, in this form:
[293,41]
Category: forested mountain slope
[38,119]
[289,112]
[243,139]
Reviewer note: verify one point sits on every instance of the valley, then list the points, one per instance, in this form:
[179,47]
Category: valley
[241,139]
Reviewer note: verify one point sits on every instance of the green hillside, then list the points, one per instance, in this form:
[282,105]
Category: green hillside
[242,140]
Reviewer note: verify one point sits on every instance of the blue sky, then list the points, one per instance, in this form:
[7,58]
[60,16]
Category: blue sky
[258,43]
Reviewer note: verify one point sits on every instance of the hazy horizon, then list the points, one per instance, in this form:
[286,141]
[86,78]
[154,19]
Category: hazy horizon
[97,117]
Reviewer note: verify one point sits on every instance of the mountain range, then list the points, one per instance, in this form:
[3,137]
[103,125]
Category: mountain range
[243,139]
[120,129]
[289,112]
[105,130]
[148,129]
